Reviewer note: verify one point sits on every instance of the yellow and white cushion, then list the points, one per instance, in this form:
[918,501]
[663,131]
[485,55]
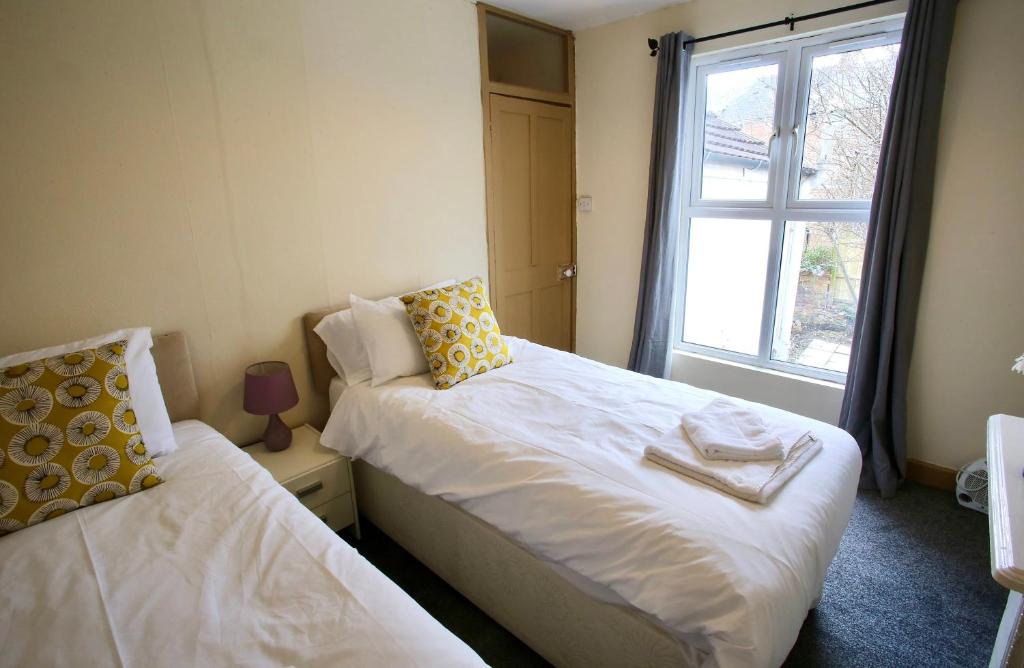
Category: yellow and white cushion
[147,398]
[68,436]
[458,332]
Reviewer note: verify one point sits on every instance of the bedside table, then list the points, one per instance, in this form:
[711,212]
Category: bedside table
[319,477]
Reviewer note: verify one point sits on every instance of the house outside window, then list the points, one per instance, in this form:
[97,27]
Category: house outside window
[780,152]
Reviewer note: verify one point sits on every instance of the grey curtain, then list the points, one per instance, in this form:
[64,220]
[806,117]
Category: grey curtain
[875,403]
[652,327]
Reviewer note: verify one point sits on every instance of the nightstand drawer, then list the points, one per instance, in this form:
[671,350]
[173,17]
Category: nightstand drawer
[321,484]
[337,512]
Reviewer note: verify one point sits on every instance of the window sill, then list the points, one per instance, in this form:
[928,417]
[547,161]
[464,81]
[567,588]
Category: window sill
[759,369]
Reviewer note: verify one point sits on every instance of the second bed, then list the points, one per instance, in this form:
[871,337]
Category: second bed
[548,452]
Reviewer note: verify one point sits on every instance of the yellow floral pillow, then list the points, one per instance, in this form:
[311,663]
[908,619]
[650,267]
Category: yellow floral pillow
[458,332]
[68,436]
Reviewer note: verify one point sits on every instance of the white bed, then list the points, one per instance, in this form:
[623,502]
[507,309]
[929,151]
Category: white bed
[217,566]
[549,452]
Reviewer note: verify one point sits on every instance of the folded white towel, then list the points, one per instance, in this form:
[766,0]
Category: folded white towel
[726,430]
[752,481]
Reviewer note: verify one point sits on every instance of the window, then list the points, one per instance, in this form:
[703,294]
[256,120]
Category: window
[782,148]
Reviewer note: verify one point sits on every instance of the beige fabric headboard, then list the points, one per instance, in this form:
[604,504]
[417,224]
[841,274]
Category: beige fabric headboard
[174,370]
[318,364]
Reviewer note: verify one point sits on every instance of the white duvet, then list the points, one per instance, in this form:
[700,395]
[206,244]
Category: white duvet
[217,566]
[549,450]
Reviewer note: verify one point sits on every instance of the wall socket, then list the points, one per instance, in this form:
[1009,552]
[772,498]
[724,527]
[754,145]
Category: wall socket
[585,203]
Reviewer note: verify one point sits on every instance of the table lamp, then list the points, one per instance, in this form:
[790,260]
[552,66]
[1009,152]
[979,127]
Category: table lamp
[269,390]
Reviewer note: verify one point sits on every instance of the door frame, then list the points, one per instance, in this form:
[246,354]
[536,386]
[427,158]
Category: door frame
[487,88]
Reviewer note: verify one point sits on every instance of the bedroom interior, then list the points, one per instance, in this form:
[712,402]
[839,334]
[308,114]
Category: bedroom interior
[548,333]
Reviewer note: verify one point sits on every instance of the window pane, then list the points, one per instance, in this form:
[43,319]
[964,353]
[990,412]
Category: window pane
[846,108]
[739,120]
[818,288]
[725,274]
[525,55]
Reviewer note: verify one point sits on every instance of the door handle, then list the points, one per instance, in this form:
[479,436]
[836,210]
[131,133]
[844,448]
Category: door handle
[796,142]
[309,489]
[566,271]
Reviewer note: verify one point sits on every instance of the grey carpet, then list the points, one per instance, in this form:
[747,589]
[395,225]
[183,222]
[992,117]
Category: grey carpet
[910,586]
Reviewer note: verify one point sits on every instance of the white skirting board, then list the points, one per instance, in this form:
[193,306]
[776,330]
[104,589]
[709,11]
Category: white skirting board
[522,593]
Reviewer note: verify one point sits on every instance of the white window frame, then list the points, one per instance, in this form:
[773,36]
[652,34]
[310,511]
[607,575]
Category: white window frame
[794,56]
[697,158]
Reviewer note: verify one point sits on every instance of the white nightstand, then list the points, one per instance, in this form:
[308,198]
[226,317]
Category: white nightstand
[319,477]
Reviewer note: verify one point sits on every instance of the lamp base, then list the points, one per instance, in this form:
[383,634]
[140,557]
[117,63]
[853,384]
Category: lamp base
[277,435]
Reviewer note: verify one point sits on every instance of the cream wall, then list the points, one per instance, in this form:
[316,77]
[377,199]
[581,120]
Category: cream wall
[972,310]
[223,166]
[971,321]
[818,399]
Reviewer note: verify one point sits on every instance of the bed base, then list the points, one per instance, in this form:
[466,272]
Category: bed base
[554,617]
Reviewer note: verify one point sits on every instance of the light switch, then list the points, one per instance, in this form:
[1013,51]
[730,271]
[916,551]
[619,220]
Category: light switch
[585,203]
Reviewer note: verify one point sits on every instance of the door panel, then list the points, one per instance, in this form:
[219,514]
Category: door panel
[517,316]
[552,184]
[513,163]
[531,219]
[550,306]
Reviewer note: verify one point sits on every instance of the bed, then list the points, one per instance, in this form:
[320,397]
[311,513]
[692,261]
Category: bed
[526,490]
[219,565]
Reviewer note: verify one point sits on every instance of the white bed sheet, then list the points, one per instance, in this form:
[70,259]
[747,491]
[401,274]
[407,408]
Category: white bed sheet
[217,566]
[549,450]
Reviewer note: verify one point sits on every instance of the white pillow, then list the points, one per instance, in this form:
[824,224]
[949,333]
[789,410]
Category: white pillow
[338,332]
[147,399]
[389,339]
[345,350]
[335,364]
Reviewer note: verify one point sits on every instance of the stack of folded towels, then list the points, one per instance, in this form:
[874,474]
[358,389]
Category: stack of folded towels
[731,448]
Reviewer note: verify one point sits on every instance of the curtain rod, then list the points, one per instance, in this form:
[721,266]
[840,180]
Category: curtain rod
[790,21]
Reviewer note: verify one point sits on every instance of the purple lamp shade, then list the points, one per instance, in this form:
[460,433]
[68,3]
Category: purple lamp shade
[269,390]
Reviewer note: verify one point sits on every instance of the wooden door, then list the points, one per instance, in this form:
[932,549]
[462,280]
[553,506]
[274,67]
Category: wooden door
[531,241]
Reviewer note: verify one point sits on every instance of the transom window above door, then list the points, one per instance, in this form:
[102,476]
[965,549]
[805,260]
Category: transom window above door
[781,150]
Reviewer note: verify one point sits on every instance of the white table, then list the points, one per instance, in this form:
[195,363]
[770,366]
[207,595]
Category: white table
[1006,531]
